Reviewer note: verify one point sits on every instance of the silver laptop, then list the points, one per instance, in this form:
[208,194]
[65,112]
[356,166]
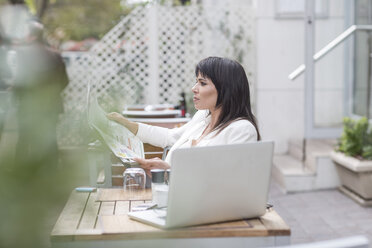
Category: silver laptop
[214,184]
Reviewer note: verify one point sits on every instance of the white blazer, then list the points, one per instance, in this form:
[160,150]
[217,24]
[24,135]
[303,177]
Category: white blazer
[239,131]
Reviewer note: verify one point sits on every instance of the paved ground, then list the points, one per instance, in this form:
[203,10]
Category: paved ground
[321,215]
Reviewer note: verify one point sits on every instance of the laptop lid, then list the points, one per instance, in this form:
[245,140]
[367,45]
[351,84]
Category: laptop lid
[219,183]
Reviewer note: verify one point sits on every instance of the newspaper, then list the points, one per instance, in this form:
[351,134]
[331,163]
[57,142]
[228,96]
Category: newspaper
[124,144]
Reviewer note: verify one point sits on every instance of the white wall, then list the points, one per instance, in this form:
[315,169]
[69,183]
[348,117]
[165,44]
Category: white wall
[280,49]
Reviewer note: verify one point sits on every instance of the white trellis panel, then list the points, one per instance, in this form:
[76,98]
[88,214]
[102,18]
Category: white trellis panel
[121,59]
[180,34]
[149,57]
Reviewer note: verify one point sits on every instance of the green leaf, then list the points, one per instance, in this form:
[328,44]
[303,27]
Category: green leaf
[367,152]
[356,139]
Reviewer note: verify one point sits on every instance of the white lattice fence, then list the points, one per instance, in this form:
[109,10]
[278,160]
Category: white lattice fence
[229,31]
[72,125]
[180,47]
[118,64]
[121,60]
[117,70]
[150,56]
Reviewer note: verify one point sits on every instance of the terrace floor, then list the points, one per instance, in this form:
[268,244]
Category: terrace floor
[321,215]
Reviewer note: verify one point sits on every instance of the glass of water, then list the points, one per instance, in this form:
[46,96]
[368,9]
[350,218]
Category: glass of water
[134,179]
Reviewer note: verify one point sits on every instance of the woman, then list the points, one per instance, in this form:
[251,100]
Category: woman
[221,94]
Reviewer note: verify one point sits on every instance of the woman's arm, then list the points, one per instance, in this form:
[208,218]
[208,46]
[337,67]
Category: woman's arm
[163,137]
[132,126]
[157,136]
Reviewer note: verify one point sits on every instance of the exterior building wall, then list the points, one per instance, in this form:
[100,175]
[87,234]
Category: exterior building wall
[280,49]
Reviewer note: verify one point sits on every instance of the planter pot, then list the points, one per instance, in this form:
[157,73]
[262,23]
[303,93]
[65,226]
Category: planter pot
[355,176]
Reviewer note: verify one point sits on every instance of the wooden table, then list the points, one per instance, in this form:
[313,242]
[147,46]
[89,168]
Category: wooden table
[100,219]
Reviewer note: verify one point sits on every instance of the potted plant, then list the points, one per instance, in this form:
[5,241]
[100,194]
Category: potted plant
[353,159]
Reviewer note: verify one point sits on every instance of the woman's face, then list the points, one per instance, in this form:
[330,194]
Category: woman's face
[205,93]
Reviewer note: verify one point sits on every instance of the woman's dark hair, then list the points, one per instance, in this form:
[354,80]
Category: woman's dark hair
[231,82]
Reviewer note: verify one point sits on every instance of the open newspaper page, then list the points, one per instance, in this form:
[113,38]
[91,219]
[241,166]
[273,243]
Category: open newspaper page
[124,144]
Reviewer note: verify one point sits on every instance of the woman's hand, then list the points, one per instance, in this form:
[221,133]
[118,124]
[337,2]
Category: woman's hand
[132,126]
[114,116]
[153,163]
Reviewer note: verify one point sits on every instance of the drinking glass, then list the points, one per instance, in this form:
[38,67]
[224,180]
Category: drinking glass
[134,179]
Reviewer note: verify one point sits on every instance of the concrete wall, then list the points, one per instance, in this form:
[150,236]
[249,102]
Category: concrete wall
[280,49]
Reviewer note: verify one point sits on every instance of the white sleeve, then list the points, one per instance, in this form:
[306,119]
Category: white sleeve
[162,137]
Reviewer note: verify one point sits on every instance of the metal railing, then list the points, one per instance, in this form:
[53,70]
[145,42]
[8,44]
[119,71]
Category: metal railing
[329,47]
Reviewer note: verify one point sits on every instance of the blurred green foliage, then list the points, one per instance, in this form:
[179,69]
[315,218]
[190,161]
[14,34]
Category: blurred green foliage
[356,139]
[33,193]
[79,19]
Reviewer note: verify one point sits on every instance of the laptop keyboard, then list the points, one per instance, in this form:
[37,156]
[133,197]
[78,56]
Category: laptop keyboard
[161,213]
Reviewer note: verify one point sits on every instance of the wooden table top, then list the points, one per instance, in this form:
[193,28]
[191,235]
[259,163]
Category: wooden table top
[102,215]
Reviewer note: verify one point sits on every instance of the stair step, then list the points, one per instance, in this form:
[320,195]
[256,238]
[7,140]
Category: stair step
[291,175]
[317,172]
[316,148]
[320,147]
[291,166]
[295,150]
